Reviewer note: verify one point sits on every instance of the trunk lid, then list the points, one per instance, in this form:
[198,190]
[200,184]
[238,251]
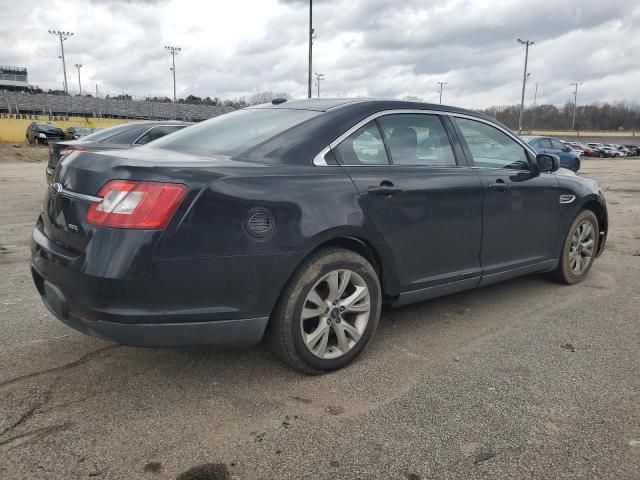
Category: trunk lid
[85,173]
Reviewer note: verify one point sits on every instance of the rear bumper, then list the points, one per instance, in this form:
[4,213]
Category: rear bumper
[236,333]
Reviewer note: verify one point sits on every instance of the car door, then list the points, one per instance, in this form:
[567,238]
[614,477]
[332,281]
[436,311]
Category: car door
[420,197]
[562,151]
[521,207]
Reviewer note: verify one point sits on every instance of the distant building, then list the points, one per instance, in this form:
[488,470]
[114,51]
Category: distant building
[15,79]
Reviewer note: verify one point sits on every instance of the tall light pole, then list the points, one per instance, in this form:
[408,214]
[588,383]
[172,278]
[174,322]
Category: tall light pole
[319,77]
[173,51]
[310,45]
[575,104]
[62,36]
[79,66]
[441,85]
[527,44]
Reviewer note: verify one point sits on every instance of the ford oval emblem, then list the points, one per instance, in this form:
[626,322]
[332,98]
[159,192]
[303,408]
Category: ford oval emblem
[56,189]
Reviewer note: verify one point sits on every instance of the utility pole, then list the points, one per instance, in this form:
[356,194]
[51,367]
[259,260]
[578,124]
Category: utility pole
[533,113]
[63,36]
[527,44]
[79,66]
[441,85]
[173,51]
[319,77]
[310,45]
[575,104]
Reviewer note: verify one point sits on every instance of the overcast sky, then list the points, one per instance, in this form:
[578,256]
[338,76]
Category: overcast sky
[375,48]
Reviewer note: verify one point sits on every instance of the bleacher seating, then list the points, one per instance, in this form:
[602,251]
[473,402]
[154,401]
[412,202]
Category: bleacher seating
[62,105]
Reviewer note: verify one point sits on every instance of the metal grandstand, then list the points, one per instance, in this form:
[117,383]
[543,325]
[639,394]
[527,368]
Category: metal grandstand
[24,104]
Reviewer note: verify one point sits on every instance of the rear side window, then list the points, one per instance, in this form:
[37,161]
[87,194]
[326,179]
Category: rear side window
[234,132]
[363,147]
[106,133]
[127,135]
[557,145]
[545,143]
[492,148]
[417,139]
[156,132]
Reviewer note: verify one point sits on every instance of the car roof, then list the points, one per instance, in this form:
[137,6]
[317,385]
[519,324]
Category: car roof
[329,104]
[333,118]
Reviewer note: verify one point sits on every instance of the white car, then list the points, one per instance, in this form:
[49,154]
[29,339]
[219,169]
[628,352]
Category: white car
[621,148]
[607,149]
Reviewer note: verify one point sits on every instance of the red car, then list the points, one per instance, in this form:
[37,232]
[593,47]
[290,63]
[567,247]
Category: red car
[586,150]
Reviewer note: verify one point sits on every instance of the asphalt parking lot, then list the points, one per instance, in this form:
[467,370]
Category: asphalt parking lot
[525,379]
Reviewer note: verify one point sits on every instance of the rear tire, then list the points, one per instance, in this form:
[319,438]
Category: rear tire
[579,249]
[327,312]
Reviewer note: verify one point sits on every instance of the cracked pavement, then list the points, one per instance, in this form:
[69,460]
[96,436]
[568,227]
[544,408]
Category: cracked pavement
[525,379]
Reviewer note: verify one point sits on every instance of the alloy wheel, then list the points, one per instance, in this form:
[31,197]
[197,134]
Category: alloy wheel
[581,248]
[335,314]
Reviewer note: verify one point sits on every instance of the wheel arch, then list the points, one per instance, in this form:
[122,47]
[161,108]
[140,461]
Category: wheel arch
[377,254]
[595,205]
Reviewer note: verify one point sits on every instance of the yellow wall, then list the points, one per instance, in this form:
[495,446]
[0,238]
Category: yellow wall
[13,130]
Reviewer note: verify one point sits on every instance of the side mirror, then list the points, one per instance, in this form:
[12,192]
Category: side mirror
[547,163]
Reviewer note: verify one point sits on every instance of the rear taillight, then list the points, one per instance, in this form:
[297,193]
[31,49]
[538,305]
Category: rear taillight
[131,204]
[71,148]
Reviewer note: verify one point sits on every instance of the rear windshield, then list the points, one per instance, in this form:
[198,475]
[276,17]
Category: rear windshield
[106,133]
[234,132]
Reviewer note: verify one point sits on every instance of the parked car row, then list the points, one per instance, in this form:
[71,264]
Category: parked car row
[43,133]
[570,152]
[605,150]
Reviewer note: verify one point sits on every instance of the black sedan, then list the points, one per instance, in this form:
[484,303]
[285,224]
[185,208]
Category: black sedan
[297,221]
[38,133]
[120,137]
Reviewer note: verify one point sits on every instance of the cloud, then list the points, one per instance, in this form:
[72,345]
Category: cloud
[377,48]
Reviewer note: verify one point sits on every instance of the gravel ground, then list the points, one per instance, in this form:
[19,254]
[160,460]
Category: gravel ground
[525,379]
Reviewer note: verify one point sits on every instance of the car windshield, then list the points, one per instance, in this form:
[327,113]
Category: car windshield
[106,133]
[233,132]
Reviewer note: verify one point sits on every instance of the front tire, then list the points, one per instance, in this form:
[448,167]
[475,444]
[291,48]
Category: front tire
[327,313]
[579,249]
[576,166]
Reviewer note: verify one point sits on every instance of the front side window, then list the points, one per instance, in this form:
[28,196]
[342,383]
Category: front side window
[492,148]
[363,147]
[417,139]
